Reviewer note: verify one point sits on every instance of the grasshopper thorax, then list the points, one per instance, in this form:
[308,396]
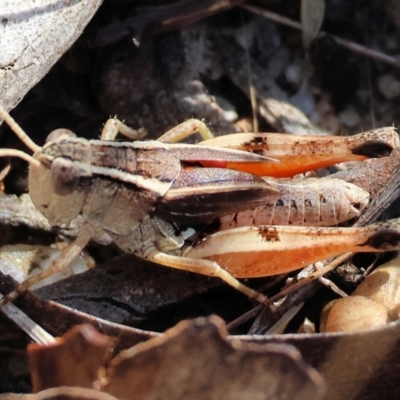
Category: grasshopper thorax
[55,185]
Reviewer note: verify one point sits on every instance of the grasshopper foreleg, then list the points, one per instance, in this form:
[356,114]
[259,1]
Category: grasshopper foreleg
[113,126]
[185,129]
[62,261]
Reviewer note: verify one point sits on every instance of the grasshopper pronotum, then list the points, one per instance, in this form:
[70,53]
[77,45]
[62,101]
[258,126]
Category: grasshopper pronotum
[138,191]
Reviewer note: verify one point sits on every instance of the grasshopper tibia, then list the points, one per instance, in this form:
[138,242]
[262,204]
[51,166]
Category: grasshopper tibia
[184,130]
[205,267]
[59,263]
[114,126]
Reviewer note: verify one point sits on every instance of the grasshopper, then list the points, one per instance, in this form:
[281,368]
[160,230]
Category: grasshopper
[140,193]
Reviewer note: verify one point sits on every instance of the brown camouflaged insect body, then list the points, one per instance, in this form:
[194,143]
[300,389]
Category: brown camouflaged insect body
[115,187]
[304,202]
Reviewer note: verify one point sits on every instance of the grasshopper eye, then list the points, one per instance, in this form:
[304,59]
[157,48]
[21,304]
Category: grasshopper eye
[54,135]
[64,176]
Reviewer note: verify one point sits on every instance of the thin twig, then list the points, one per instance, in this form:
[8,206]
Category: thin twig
[280,325]
[355,47]
[315,275]
[290,289]
[243,318]
[35,332]
[329,284]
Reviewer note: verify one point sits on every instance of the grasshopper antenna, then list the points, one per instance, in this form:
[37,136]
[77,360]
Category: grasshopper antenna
[24,138]
[18,130]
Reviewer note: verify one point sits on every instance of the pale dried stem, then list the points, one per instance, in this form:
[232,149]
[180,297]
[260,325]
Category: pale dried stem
[4,172]
[329,284]
[291,289]
[35,332]
[320,272]
[280,325]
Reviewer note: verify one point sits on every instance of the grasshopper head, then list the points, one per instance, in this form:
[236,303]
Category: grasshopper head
[55,185]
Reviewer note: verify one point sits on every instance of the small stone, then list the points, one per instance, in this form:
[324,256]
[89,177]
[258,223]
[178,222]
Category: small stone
[329,122]
[353,313]
[324,105]
[389,86]
[349,117]
[228,109]
[294,73]
[245,35]
[304,101]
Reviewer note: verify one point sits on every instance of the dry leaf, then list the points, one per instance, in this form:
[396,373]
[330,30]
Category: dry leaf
[361,365]
[61,393]
[33,36]
[312,15]
[193,360]
[127,289]
[58,319]
[74,360]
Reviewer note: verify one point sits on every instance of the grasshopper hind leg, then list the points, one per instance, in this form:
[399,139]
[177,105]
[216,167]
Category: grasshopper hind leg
[154,240]
[204,267]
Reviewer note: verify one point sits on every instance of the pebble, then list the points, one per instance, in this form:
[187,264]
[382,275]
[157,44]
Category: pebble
[294,73]
[389,86]
[245,35]
[228,109]
[328,122]
[304,101]
[349,117]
